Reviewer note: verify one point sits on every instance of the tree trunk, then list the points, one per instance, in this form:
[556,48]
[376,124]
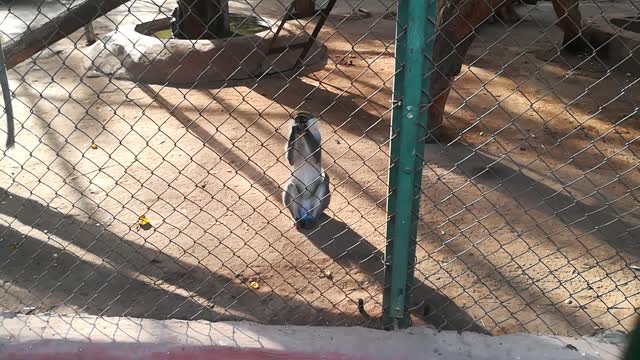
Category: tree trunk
[201,19]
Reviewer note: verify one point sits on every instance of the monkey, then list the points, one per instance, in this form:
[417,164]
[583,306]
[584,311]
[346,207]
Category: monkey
[6,94]
[306,193]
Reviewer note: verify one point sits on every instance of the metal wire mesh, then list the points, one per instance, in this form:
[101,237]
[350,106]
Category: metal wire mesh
[529,207]
[530,203]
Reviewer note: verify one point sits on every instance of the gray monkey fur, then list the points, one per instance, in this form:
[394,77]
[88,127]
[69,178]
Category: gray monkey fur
[306,194]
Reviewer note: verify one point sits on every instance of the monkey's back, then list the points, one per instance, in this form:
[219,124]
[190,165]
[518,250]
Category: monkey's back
[307,175]
[306,171]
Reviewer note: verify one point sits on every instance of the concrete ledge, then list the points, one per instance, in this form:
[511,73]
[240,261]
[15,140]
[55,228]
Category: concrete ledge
[127,54]
[618,46]
[90,337]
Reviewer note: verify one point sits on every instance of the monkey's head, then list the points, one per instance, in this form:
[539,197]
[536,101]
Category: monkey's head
[301,121]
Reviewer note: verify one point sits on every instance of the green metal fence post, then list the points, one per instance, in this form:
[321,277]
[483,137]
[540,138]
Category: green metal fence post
[632,351]
[414,43]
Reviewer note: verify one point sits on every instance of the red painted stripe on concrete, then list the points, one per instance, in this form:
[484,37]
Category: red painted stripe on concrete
[62,351]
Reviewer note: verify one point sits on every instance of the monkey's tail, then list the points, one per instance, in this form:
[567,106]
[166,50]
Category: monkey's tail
[6,94]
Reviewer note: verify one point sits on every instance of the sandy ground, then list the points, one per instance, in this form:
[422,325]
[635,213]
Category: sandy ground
[530,219]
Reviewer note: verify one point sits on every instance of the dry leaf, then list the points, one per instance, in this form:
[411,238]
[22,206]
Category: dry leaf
[143,220]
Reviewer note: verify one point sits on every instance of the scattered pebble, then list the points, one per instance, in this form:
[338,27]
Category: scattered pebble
[328,274]
[568,301]
[364,11]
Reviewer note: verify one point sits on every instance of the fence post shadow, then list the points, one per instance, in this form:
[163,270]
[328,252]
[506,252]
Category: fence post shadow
[347,248]
[529,193]
[559,212]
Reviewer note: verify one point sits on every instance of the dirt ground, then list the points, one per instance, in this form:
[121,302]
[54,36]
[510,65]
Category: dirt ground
[529,219]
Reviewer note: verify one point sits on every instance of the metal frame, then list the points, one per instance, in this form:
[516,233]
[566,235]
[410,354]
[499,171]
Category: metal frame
[414,41]
[6,95]
[290,15]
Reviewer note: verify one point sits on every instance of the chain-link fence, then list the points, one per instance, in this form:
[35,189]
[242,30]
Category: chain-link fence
[146,179]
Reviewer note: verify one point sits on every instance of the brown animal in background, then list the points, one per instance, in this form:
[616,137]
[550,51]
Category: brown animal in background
[506,13]
[456,22]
